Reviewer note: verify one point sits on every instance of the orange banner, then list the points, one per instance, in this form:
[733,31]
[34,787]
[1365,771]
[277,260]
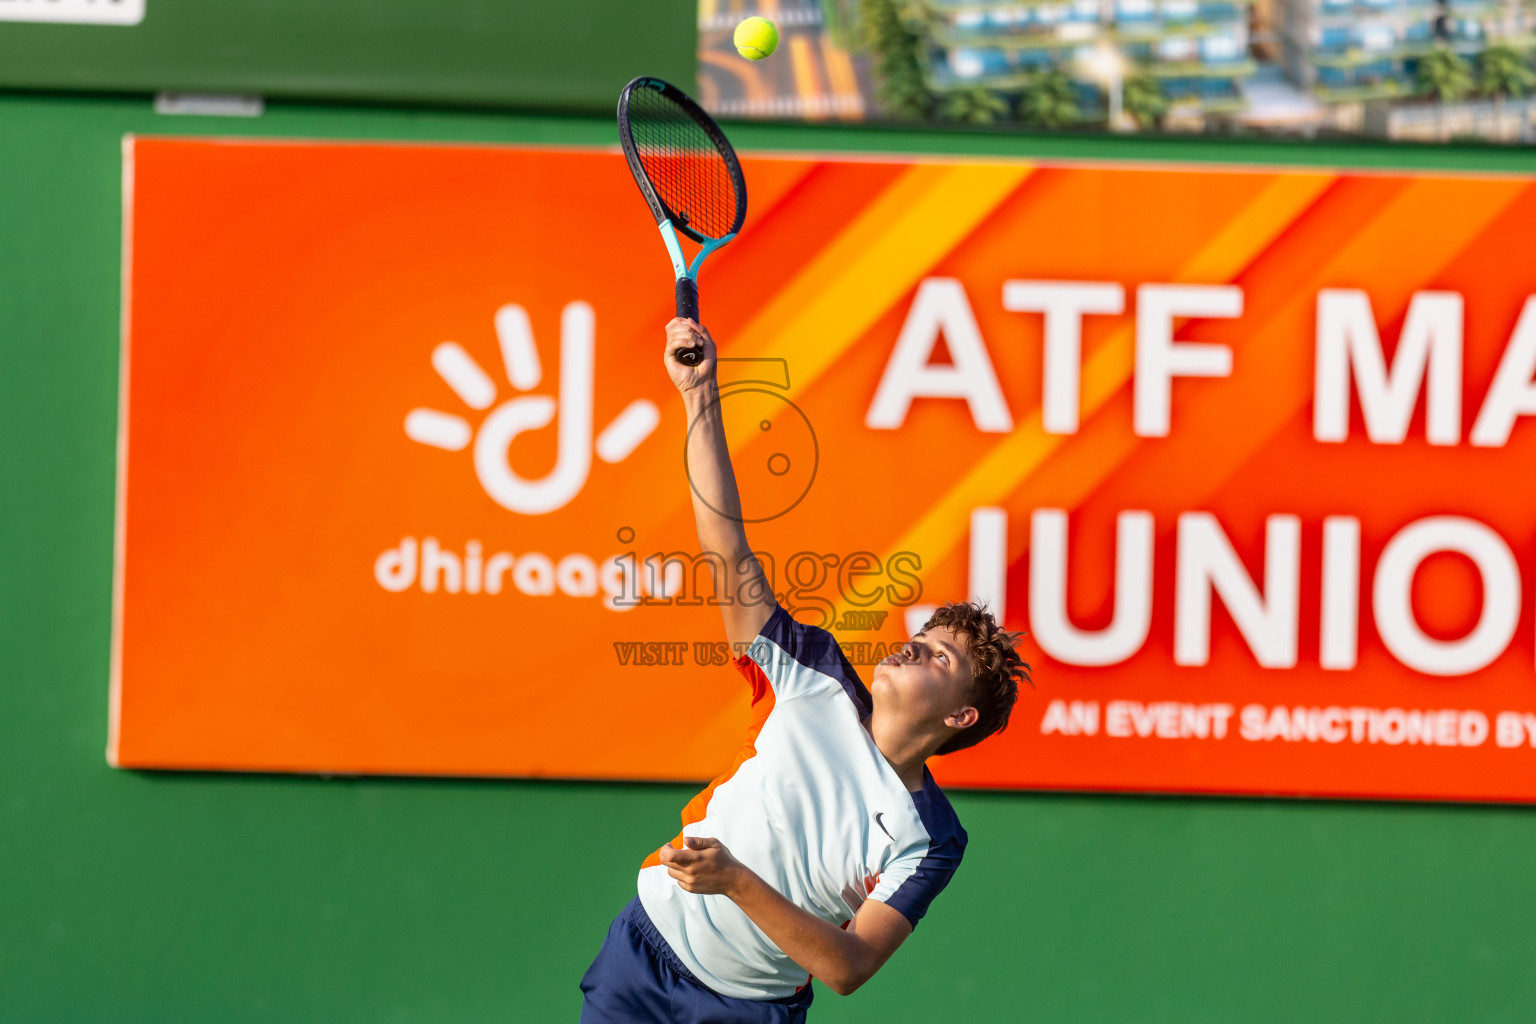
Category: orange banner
[402,486]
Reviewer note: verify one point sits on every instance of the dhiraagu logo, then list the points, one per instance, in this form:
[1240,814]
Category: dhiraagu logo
[491,440]
[87,12]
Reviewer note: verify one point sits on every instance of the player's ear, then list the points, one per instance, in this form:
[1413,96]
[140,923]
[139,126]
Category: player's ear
[964,718]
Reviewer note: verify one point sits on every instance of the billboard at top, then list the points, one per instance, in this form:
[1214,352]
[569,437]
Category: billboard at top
[1245,451]
[1413,70]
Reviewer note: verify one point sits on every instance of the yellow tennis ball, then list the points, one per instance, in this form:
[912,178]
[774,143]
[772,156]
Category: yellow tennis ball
[756,38]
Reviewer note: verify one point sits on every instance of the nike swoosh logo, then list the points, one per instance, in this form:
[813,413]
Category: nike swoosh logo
[878,816]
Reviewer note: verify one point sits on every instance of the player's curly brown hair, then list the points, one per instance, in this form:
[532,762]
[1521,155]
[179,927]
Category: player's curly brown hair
[996,668]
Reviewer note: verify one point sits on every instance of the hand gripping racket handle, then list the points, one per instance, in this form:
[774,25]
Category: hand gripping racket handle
[688,309]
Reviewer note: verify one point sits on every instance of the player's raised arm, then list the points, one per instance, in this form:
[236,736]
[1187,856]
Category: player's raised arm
[716,502]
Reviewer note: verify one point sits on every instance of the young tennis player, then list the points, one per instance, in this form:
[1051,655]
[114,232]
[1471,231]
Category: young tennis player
[822,847]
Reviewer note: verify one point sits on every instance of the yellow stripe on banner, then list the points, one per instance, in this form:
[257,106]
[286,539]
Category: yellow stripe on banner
[859,275]
[1222,259]
[1254,228]
[1010,462]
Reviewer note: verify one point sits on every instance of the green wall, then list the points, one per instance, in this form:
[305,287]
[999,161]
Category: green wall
[556,54]
[129,897]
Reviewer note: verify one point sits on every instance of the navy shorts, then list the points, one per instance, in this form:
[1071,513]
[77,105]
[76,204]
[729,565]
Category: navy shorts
[638,979]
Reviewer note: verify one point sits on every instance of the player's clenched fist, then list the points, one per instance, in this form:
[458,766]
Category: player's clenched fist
[685,334]
[703,865]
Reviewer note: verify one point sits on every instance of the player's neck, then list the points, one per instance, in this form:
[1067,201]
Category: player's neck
[906,753]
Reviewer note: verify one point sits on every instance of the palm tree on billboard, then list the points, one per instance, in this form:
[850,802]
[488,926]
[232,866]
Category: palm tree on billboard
[895,38]
[973,104]
[1048,100]
[1145,100]
[840,20]
[1502,71]
[1443,75]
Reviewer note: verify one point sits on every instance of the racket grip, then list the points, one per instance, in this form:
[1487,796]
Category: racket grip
[688,299]
[688,309]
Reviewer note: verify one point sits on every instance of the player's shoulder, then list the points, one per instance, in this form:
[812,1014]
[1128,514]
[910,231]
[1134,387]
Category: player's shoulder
[799,659]
[938,815]
[922,869]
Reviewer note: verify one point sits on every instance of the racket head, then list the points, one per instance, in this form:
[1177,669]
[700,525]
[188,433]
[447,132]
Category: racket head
[682,161]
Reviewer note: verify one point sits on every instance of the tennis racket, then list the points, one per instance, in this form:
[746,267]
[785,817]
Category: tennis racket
[690,178]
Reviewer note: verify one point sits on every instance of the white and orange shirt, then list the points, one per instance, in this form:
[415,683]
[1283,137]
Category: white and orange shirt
[814,808]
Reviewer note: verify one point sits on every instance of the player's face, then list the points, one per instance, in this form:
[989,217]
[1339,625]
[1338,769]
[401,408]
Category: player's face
[929,679]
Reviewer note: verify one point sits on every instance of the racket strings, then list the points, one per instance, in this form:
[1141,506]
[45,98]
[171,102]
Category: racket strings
[683,164]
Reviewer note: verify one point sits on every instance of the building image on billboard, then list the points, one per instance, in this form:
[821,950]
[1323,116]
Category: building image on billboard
[1422,70]
[817,73]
